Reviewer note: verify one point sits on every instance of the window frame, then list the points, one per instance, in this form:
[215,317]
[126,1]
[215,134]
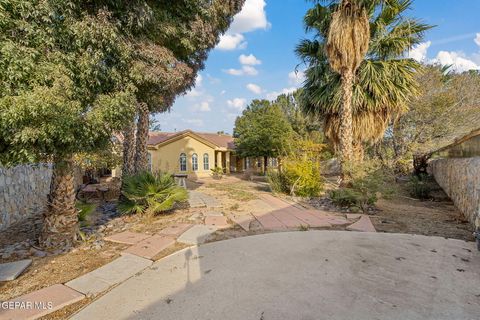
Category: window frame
[206,164]
[194,162]
[183,162]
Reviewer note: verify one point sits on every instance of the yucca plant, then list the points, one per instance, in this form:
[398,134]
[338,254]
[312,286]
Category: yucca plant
[150,193]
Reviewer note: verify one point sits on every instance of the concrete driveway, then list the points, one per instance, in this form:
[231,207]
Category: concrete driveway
[304,275]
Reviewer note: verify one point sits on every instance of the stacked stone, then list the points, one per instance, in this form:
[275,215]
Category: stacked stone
[23,192]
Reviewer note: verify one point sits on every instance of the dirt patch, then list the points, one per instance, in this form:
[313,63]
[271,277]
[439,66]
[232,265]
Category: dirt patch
[404,215]
[51,270]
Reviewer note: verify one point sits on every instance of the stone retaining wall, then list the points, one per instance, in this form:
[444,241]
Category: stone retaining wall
[23,192]
[460,178]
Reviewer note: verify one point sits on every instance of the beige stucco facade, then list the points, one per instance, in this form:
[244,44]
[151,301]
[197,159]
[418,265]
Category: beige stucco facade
[166,156]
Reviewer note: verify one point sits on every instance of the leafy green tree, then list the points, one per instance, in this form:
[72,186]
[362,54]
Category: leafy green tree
[171,47]
[63,91]
[381,82]
[447,108]
[262,130]
[304,124]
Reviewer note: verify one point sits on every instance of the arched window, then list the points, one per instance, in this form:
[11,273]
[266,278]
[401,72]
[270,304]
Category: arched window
[206,163]
[183,162]
[194,162]
[149,159]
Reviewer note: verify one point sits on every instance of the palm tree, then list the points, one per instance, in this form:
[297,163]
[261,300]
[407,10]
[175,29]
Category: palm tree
[347,43]
[380,81]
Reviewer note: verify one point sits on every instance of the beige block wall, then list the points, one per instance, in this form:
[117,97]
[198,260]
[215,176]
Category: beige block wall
[167,157]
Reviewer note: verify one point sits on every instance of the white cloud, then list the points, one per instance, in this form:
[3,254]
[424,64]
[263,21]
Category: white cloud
[274,94]
[419,52]
[254,88]
[296,77]
[251,17]
[232,42]
[477,39]
[245,70]
[457,60]
[237,103]
[202,107]
[249,60]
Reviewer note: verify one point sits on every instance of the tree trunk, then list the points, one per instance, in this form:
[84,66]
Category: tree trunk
[420,164]
[129,150]
[346,123]
[141,154]
[265,165]
[60,224]
[358,152]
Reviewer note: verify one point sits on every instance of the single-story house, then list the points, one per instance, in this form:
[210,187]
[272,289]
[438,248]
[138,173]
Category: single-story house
[196,153]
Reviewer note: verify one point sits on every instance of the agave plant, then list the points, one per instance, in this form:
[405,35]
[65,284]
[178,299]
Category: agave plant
[150,193]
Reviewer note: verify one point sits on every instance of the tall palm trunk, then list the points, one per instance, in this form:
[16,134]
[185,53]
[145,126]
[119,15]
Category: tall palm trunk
[346,119]
[60,224]
[129,150]
[141,154]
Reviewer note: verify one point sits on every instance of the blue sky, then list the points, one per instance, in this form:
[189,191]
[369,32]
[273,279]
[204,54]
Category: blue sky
[256,59]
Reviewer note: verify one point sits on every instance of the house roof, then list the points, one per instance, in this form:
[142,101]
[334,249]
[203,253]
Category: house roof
[222,141]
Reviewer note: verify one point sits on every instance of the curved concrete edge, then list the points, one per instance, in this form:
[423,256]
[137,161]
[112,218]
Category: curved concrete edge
[339,274]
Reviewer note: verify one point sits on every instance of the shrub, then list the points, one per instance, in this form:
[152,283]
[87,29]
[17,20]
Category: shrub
[217,172]
[369,181]
[300,173]
[150,193]
[420,187]
[278,182]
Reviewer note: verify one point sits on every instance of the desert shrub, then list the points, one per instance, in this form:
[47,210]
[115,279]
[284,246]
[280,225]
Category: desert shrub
[217,172]
[303,176]
[150,193]
[300,173]
[369,181]
[419,187]
[278,182]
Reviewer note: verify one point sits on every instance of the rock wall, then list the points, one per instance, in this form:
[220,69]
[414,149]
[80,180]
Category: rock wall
[460,178]
[23,192]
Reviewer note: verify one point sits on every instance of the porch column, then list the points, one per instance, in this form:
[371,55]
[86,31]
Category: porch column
[219,159]
[227,162]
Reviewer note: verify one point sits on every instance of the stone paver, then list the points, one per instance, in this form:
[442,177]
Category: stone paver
[197,234]
[242,220]
[287,217]
[150,247]
[11,270]
[110,274]
[269,221]
[127,237]
[200,200]
[41,302]
[175,230]
[312,220]
[330,218]
[353,216]
[219,222]
[274,201]
[333,275]
[214,214]
[362,225]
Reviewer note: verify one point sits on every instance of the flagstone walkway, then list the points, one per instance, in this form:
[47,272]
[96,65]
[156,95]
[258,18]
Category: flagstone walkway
[272,214]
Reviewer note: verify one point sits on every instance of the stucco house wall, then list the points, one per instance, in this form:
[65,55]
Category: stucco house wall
[167,157]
